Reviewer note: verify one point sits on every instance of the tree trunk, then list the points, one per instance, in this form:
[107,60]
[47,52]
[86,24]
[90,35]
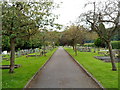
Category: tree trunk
[94,50]
[111,57]
[44,45]
[73,47]
[98,48]
[53,45]
[75,51]
[44,51]
[12,56]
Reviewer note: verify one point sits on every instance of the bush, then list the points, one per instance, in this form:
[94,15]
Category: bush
[115,44]
[99,43]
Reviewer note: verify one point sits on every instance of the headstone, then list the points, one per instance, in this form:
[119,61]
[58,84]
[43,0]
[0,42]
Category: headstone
[94,50]
[18,53]
[4,52]
[89,49]
[36,50]
[30,51]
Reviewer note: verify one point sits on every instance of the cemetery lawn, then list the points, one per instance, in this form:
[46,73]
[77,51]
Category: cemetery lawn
[99,69]
[30,65]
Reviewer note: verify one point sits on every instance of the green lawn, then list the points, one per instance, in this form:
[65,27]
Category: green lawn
[99,69]
[23,74]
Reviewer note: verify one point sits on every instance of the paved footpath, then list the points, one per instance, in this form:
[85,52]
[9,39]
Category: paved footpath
[62,72]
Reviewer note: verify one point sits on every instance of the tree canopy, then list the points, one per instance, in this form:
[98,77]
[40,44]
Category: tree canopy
[21,20]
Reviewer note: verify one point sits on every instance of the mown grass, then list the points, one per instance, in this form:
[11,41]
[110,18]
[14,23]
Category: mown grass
[30,65]
[99,69]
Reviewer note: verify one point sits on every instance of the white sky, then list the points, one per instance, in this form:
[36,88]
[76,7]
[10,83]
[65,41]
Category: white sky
[70,9]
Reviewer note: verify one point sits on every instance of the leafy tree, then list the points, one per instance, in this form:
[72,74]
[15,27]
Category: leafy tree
[53,38]
[16,24]
[5,43]
[22,20]
[74,35]
[91,36]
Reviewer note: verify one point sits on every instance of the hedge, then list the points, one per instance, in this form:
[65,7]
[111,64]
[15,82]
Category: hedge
[115,44]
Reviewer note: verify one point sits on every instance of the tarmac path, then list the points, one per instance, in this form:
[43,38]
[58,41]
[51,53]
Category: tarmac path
[62,72]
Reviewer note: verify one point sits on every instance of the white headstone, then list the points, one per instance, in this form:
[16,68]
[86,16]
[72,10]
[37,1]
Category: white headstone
[4,52]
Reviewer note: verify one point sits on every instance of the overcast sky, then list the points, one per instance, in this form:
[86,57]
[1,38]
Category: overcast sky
[70,9]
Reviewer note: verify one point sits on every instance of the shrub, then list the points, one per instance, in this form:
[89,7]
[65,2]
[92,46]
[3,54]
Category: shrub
[99,43]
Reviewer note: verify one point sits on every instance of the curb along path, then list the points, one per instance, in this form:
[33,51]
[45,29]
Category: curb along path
[62,72]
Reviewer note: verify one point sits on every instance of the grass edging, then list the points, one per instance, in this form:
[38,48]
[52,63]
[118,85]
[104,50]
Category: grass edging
[29,82]
[90,75]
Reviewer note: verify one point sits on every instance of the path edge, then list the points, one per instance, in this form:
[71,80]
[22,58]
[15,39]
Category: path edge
[89,74]
[28,83]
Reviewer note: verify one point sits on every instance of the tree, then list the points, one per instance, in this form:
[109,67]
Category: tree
[22,20]
[74,35]
[5,43]
[53,38]
[91,36]
[104,20]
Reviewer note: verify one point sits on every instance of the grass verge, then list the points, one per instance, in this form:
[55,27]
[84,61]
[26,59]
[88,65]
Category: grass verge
[99,69]
[30,65]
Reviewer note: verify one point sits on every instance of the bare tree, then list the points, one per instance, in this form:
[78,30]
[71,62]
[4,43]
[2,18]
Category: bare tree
[104,19]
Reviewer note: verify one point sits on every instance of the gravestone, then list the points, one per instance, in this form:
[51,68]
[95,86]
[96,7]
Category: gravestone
[89,49]
[4,52]
[36,50]
[106,58]
[84,49]
[27,51]
[18,53]
[31,51]
[94,50]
